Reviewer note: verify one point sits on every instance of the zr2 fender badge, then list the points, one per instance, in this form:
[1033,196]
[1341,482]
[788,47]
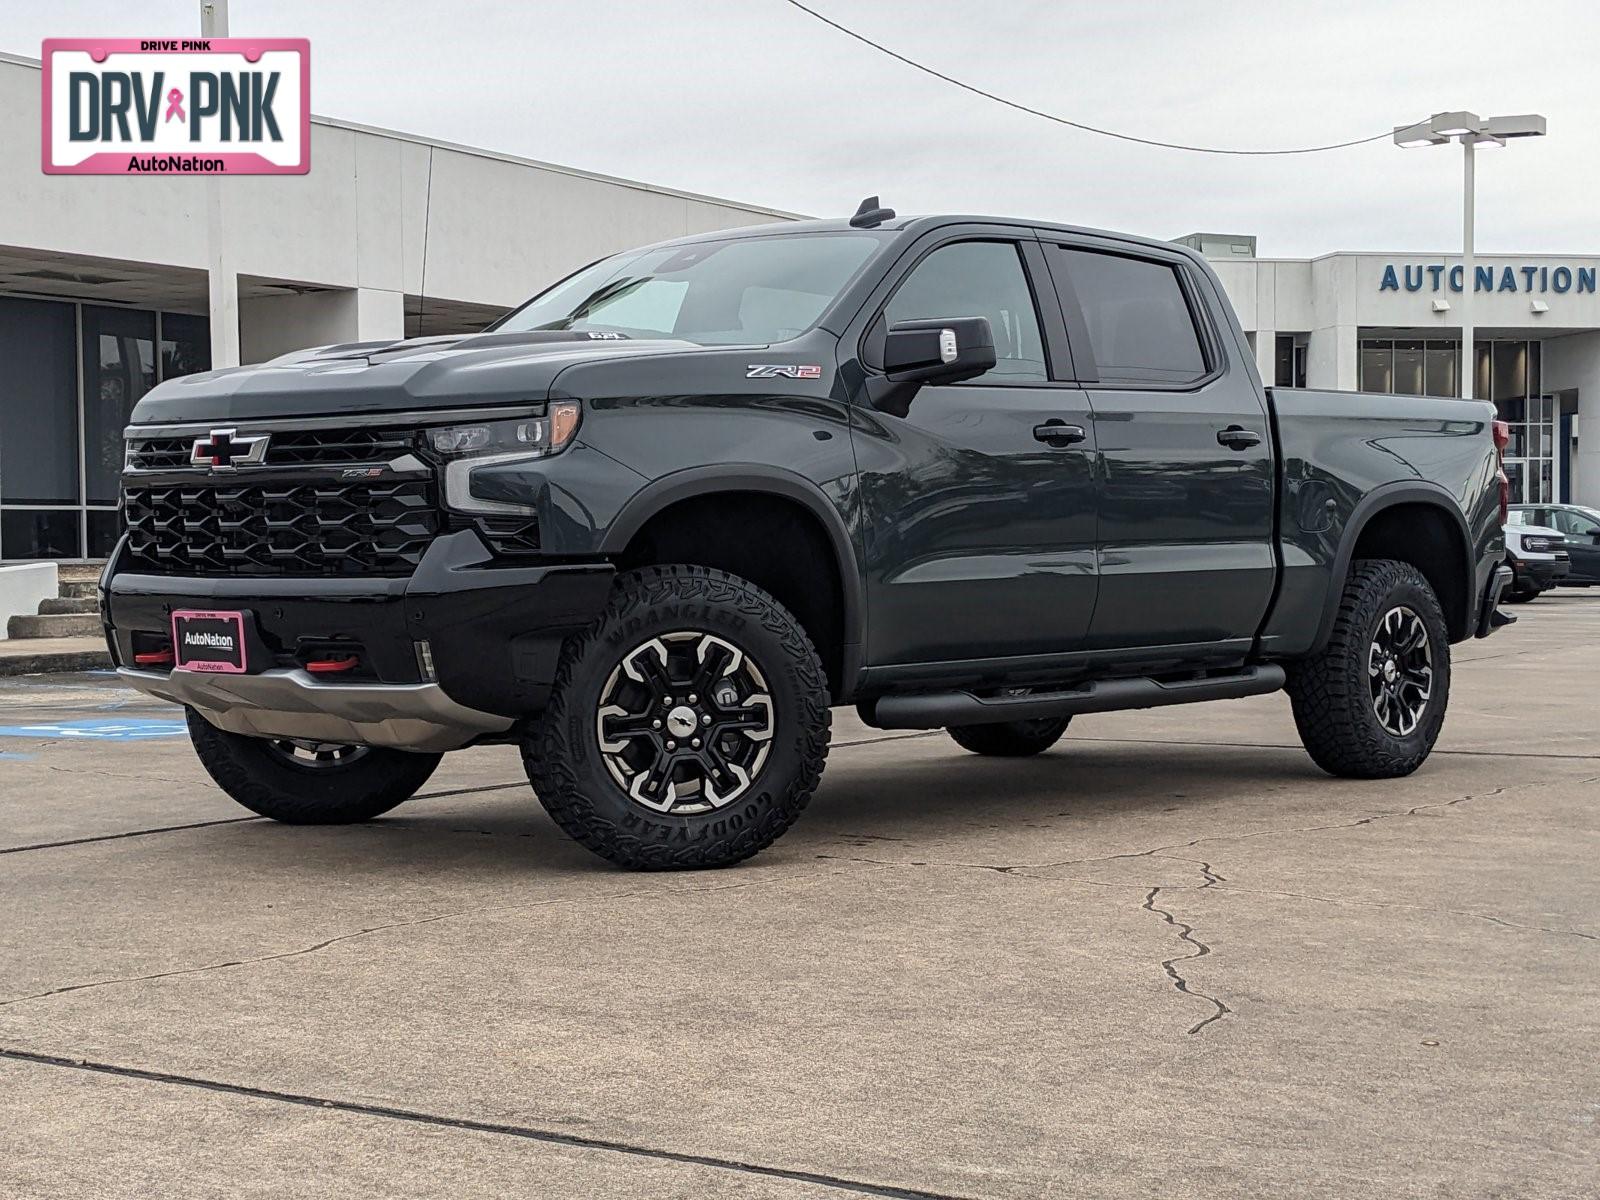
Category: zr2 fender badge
[783,371]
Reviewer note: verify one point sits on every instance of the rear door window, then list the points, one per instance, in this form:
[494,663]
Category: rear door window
[1140,328]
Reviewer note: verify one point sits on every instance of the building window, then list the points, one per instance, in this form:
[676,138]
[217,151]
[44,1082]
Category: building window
[39,414]
[73,372]
[1441,368]
[1377,365]
[119,366]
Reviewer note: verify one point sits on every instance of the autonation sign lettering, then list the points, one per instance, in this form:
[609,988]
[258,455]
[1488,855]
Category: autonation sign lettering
[168,106]
[1436,277]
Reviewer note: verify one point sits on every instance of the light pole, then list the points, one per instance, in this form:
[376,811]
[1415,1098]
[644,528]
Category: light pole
[1469,129]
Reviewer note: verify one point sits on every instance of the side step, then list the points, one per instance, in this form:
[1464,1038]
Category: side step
[935,710]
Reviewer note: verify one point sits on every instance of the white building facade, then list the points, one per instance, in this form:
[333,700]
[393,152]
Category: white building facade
[109,284]
[1392,323]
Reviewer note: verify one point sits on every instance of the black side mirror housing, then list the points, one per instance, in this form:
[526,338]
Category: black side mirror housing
[940,350]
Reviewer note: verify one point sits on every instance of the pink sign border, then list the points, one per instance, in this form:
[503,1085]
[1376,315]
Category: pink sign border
[239,163]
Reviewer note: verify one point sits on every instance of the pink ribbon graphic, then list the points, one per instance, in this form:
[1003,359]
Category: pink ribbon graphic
[174,106]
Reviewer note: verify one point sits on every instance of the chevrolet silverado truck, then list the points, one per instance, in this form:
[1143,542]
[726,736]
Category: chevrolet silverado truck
[960,472]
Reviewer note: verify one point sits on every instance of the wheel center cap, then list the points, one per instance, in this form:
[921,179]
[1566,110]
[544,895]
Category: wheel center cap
[1390,670]
[681,721]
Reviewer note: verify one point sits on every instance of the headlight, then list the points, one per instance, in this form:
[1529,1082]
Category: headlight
[1536,545]
[468,448]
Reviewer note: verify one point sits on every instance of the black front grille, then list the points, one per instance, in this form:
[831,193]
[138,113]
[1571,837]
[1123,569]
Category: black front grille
[287,528]
[159,454]
[317,447]
[285,448]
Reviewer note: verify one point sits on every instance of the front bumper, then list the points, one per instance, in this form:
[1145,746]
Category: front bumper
[1545,572]
[293,704]
[462,649]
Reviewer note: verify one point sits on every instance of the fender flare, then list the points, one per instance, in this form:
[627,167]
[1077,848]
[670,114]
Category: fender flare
[1386,496]
[774,481]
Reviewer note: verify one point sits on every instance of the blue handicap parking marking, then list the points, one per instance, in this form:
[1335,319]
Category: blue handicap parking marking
[124,730]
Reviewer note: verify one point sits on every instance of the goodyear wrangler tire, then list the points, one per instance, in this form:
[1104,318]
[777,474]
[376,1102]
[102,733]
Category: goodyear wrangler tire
[308,783]
[1371,705]
[688,725]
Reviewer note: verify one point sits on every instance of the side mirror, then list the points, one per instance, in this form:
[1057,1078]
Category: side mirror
[946,350]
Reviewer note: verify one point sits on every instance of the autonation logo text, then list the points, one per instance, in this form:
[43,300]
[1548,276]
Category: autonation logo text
[166,106]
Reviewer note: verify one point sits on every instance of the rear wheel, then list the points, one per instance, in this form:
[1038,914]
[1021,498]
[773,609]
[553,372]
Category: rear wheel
[302,782]
[688,726]
[1010,739]
[1371,705]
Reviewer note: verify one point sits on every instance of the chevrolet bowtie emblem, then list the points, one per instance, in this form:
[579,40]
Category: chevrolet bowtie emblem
[224,449]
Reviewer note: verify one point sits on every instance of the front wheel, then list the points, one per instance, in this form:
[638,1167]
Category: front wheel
[687,727]
[1371,705]
[303,782]
[1010,739]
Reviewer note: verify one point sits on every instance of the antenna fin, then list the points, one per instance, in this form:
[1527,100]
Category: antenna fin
[871,214]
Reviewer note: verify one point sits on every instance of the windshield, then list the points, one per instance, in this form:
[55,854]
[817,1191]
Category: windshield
[742,291]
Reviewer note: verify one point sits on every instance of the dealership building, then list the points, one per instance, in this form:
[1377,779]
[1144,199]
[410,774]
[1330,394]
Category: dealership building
[109,284]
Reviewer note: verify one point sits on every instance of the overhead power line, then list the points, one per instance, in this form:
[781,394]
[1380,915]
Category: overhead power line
[1034,112]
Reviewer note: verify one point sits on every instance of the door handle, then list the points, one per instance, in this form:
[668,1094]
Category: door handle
[1057,433]
[1237,437]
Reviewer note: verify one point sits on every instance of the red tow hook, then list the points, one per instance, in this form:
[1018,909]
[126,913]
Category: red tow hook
[153,658]
[331,666]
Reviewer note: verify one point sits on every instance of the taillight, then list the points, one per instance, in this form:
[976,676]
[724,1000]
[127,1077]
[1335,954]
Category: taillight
[1502,439]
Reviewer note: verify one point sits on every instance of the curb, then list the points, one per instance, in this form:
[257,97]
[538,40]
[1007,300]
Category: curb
[58,661]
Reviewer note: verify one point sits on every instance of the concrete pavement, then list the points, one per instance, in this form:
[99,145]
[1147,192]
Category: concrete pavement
[1169,957]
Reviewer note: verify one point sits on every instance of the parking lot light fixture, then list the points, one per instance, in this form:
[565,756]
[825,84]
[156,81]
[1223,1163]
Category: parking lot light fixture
[1469,129]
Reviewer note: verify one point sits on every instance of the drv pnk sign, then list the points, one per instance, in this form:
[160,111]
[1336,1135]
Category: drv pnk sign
[171,106]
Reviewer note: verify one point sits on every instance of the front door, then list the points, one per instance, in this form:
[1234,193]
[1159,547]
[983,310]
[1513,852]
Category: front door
[979,504]
[1185,452]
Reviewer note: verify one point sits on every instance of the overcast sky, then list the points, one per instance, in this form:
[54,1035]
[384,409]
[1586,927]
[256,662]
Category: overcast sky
[753,100]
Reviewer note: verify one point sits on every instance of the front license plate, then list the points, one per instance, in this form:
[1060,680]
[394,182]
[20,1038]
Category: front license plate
[209,641]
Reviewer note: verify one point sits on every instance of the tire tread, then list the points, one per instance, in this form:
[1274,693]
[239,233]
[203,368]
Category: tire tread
[549,756]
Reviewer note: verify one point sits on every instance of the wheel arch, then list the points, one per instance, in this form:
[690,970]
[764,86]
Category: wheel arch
[676,494]
[1378,529]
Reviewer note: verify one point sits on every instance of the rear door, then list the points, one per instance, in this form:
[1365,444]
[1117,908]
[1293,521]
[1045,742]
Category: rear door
[1184,450]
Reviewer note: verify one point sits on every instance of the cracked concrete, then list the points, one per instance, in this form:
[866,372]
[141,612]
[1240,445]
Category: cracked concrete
[1141,965]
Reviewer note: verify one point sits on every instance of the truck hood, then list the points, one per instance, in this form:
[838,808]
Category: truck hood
[405,376]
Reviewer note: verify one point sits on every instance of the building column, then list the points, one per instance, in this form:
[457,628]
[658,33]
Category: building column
[274,325]
[224,313]
[1267,355]
[1331,359]
[1572,364]
[380,315]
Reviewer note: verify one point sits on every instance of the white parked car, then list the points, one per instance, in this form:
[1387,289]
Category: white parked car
[1538,558]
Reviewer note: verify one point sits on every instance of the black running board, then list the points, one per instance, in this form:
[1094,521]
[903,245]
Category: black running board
[935,710]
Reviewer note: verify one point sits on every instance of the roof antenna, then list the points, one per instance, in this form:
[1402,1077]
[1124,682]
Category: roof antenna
[870,215]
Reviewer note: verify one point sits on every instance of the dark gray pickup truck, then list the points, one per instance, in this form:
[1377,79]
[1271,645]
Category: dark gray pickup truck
[961,472]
